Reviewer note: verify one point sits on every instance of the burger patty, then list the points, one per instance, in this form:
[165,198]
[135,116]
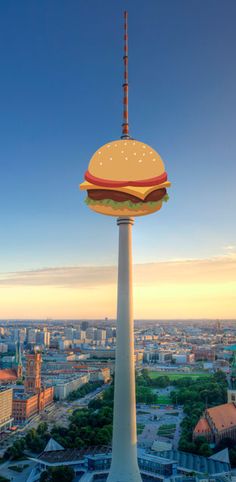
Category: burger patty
[118,196]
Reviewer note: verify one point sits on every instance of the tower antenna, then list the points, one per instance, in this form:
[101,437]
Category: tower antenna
[125,125]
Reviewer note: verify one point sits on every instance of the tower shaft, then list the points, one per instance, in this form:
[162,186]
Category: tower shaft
[124,466]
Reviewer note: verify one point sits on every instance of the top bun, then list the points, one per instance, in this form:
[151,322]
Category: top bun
[126,160]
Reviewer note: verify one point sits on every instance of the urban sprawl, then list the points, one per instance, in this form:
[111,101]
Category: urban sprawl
[56,399]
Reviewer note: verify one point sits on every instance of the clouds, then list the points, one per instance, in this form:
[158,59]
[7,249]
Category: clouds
[179,288]
[71,276]
[209,270]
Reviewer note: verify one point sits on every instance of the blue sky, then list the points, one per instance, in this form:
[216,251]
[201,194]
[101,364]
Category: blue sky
[61,98]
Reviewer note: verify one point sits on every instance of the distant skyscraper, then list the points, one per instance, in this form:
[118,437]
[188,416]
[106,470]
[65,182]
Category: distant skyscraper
[31,336]
[84,325]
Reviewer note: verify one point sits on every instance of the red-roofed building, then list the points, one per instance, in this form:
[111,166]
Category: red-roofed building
[202,429]
[217,423]
[8,375]
[35,397]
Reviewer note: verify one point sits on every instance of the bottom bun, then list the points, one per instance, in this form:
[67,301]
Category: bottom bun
[125,211]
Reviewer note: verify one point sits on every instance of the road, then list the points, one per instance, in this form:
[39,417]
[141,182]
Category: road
[59,412]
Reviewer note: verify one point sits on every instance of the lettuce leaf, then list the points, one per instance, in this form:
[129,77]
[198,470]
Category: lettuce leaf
[128,203]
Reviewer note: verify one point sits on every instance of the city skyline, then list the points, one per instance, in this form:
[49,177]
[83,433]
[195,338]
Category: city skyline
[61,101]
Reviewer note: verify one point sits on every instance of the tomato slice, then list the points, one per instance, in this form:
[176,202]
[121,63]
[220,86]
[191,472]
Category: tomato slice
[154,181]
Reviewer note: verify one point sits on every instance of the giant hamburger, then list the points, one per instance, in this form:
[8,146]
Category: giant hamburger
[125,178]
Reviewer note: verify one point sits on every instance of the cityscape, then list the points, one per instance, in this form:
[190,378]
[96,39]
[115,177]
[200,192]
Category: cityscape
[117,248]
[56,397]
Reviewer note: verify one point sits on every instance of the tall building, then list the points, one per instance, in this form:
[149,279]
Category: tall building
[5,408]
[91,333]
[43,338]
[33,373]
[35,397]
[31,336]
[84,325]
[135,176]
[101,335]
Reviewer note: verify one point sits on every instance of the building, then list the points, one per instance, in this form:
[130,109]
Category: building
[100,374]
[43,338]
[26,405]
[33,373]
[31,336]
[84,325]
[204,353]
[3,348]
[6,418]
[91,333]
[101,335]
[35,397]
[14,372]
[65,384]
[164,466]
[220,422]
[217,423]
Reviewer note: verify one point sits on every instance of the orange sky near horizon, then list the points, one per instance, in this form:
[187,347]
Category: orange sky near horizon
[195,288]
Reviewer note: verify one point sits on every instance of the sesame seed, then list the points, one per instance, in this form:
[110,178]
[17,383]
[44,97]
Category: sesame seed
[135,154]
[110,158]
[140,160]
[100,163]
[126,158]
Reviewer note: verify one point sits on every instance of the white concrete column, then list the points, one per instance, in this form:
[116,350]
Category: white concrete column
[124,466]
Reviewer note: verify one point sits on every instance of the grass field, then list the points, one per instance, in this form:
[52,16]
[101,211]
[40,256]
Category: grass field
[163,399]
[167,430]
[177,376]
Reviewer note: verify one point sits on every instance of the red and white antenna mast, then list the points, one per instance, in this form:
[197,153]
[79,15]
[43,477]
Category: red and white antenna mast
[125,125]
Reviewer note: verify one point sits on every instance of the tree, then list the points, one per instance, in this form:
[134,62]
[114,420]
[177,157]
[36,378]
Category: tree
[42,428]
[205,450]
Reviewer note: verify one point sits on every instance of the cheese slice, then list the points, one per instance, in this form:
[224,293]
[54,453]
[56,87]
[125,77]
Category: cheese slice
[139,191]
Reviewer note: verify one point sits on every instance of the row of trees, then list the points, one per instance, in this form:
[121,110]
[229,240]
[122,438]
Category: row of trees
[84,390]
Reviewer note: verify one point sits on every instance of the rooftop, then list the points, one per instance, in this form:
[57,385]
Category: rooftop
[4,388]
[202,426]
[196,463]
[8,374]
[71,455]
[223,416]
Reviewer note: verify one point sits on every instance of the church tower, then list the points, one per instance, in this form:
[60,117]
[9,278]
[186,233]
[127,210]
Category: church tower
[18,360]
[33,372]
[231,393]
[19,365]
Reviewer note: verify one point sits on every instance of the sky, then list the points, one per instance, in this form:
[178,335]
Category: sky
[61,99]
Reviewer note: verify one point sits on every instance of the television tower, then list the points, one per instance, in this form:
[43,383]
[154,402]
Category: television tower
[125,178]
[124,465]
